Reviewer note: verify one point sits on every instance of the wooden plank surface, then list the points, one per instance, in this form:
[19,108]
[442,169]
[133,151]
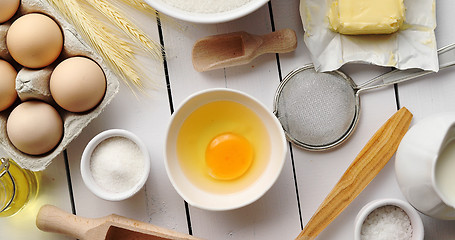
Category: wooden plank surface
[307,177]
[434,94]
[258,79]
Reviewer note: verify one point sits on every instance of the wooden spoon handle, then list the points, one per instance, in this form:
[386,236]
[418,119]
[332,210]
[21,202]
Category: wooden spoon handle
[53,219]
[371,159]
[281,41]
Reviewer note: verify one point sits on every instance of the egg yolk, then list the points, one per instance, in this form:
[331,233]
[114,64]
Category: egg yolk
[228,156]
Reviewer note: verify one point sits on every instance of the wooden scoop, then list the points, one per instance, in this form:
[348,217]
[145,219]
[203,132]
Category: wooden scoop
[371,159]
[112,227]
[238,48]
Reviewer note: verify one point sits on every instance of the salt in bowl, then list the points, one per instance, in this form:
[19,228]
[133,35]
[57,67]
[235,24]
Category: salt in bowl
[110,178]
[414,218]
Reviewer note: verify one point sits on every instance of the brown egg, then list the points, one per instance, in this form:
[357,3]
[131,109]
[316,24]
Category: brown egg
[34,127]
[8,9]
[8,92]
[34,40]
[77,84]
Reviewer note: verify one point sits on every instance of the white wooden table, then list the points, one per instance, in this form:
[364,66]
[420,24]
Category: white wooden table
[307,176]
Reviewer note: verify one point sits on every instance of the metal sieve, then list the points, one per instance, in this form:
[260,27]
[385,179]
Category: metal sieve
[320,110]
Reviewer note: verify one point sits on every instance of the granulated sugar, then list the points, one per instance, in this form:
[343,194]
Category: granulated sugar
[116,164]
[385,223]
[207,6]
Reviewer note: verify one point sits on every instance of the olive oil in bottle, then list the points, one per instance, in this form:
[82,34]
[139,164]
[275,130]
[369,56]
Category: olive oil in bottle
[18,186]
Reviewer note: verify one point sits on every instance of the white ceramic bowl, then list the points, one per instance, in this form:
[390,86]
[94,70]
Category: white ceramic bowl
[87,176]
[200,198]
[164,7]
[416,221]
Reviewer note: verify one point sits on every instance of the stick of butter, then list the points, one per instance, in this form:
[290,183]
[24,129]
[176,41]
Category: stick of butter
[355,17]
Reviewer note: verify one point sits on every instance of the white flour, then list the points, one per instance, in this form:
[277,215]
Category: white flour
[206,6]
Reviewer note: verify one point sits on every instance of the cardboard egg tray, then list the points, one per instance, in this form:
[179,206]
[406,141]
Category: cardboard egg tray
[34,84]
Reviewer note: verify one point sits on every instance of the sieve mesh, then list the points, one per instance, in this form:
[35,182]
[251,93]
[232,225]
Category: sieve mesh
[316,109]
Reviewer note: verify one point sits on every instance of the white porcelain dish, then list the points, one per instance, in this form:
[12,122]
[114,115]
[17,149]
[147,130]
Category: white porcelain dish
[200,198]
[414,217]
[207,18]
[86,172]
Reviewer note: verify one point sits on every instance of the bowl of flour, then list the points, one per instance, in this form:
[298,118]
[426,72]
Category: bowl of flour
[206,11]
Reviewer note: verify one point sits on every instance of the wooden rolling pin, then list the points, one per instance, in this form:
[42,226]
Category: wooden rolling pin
[112,227]
[371,159]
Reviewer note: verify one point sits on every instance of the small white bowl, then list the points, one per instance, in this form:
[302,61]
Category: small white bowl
[414,217]
[195,195]
[206,18]
[86,172]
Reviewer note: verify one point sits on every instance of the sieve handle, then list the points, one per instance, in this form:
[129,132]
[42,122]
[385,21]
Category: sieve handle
[446,56]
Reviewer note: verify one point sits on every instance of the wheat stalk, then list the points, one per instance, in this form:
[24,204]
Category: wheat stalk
[140,5]
[115,15]
[115,51]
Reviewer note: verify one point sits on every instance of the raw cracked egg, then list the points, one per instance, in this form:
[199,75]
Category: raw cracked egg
[77,84]
[34,127]
[7,9]
[223,147]
[7,85]
[34,40]
[228,156]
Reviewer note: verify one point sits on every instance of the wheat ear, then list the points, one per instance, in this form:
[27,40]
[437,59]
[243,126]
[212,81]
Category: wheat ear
[117,53]
[140,5]
[115,15]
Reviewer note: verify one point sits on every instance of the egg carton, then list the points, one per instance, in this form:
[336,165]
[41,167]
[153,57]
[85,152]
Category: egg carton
[34,84]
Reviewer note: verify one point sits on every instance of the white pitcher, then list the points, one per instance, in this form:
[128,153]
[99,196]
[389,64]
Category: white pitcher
[416,162]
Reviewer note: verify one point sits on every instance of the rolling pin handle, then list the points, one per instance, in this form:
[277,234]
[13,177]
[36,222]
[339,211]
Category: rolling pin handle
[53,219]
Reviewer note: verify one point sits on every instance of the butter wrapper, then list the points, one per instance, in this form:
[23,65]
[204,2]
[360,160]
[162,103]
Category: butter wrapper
[413,46]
